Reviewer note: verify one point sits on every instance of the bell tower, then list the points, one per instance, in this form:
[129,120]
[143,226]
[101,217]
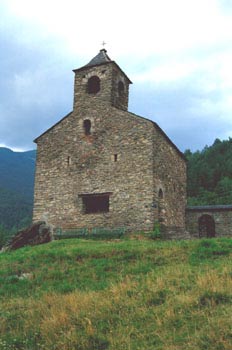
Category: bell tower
[101,81]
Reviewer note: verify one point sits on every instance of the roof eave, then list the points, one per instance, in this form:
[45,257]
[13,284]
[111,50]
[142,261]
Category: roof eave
[102,64]
[45,132]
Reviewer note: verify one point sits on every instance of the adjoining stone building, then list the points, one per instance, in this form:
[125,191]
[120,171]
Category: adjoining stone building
[102,166]
[209,221]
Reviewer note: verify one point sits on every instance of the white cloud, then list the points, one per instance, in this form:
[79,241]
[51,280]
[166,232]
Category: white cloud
[180,47]
[129,27]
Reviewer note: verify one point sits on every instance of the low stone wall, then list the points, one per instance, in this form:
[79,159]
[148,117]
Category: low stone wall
[220,216]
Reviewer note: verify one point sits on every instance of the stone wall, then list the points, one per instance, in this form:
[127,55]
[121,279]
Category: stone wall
[222,216]
[170,178]
[70,163]
[125,155]
[110,75]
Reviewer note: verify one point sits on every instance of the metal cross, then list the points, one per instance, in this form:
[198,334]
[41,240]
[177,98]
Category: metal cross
[103,44]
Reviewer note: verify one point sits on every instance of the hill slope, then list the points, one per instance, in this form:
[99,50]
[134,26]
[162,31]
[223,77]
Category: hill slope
[76,294]
[16,187]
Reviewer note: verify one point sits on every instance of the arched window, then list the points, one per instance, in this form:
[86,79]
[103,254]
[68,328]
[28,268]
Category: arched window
[93,85]
[120,88]
[87,126]
[161,194]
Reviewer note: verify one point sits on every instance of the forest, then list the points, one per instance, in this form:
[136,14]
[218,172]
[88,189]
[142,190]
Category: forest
[209,174]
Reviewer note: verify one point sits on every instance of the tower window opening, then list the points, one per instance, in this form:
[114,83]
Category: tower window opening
[93,85]
[120,88]
[87,126]
[115,157]
[161,194]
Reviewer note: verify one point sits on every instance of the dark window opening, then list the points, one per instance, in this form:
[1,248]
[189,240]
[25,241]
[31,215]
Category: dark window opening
[206,225]
[120,88]
[95,203]
[69,160]
[93,85]
[161,194]
[115,157]
[87,126]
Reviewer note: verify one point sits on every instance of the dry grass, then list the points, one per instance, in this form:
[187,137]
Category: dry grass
[181,305]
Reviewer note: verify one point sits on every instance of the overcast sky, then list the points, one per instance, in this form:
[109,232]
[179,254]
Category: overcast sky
[178,53]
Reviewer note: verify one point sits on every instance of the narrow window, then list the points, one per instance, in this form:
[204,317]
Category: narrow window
[120,88]
[115,157]
[69,160]
[161,194]
[93,85]
[87,126]
[95,203]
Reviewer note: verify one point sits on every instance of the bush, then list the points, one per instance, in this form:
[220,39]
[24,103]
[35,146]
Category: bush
[156,234]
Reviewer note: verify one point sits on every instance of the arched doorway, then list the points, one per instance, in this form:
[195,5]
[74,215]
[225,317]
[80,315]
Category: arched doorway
[206,226]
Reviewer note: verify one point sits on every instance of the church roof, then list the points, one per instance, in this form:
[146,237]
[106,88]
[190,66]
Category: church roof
[100,58]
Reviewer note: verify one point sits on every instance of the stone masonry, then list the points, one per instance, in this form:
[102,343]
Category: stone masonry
[209,221]
[102,166]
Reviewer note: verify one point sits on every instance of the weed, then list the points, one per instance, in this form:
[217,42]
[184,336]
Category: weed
[211,249]
[209,298]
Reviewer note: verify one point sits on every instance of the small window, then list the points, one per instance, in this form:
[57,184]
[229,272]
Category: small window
[93,85]
[115,157]
[120,88]
[95,203]
[87,126]
[161,194]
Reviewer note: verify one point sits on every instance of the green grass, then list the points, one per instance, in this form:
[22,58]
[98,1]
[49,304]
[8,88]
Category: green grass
[125,294]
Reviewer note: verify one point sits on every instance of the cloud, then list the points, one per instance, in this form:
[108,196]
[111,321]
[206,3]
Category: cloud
[178,53]
[35,89]
[192,111]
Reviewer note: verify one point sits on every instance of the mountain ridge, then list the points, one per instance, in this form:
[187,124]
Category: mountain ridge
[16,187]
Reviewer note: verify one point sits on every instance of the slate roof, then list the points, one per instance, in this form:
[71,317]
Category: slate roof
[100,58]
[209,207]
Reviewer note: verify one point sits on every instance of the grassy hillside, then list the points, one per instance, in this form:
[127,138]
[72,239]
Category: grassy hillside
[127,294]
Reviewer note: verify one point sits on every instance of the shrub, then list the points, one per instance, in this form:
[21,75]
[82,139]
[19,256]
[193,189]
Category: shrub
[156,234]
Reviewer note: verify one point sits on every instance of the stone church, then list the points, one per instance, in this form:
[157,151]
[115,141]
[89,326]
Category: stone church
[102,166]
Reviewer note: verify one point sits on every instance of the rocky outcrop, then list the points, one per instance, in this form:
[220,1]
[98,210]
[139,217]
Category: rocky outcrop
[38,233]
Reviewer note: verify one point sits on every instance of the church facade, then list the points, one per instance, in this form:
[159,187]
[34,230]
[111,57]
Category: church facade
[102,166]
